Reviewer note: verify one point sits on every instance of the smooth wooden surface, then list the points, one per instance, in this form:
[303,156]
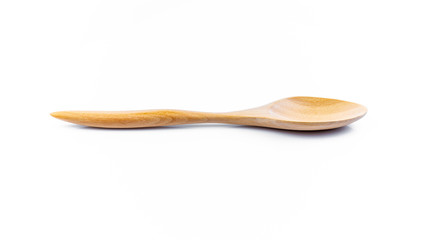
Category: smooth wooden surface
[295,113]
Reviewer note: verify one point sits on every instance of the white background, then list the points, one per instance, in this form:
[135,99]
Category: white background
[62,181]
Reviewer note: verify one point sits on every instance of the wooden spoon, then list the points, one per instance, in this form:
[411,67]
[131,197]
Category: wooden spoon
[295,113]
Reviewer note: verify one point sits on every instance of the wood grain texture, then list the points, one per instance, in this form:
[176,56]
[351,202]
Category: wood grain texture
[296,113]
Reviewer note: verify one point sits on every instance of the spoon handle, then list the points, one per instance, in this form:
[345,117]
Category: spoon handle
[139,119]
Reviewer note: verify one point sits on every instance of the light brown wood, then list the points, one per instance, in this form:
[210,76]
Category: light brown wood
[295,113]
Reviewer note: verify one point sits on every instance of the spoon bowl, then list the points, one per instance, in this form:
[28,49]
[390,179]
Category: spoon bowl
[294,113]
[312,109]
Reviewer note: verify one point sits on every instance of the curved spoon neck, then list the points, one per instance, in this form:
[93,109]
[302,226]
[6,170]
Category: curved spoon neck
[245,117]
